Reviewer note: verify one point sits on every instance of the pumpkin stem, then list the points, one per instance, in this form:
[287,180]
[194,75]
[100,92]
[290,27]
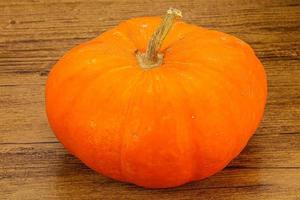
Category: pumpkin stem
[152,58]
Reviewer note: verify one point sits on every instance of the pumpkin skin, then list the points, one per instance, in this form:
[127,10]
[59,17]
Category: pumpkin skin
[182,121]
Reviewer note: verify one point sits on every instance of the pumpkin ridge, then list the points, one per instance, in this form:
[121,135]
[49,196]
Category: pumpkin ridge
[122,124]
[205,69]
[165,81]
[81,90]
[80,71]
[97,77]
[191,154]
[97,116]
[229,96]
[231,80]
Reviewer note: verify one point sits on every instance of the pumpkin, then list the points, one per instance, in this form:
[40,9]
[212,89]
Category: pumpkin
[157,102]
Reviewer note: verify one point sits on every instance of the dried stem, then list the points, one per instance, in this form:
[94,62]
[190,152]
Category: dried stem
[152,58]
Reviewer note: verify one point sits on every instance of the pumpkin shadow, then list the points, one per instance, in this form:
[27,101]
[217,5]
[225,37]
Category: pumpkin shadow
[74,178]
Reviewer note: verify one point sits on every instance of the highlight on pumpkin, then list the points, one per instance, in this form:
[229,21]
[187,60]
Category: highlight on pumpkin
[158,112]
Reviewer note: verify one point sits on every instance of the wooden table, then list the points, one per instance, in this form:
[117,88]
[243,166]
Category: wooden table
[34,34]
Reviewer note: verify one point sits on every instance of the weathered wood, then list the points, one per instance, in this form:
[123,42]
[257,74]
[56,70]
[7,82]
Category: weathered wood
[35,34]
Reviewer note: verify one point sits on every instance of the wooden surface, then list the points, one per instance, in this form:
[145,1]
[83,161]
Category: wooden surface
[34,34]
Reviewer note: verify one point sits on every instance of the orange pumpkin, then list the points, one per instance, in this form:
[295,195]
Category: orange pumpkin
[157,103]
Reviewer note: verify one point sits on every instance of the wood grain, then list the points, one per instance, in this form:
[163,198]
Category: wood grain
[34,34]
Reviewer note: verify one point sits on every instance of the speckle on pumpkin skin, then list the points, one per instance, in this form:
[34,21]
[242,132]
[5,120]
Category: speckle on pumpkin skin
[135,135]
[224,38]
[92,61]
[193,117]
[92,124]
[117,33]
